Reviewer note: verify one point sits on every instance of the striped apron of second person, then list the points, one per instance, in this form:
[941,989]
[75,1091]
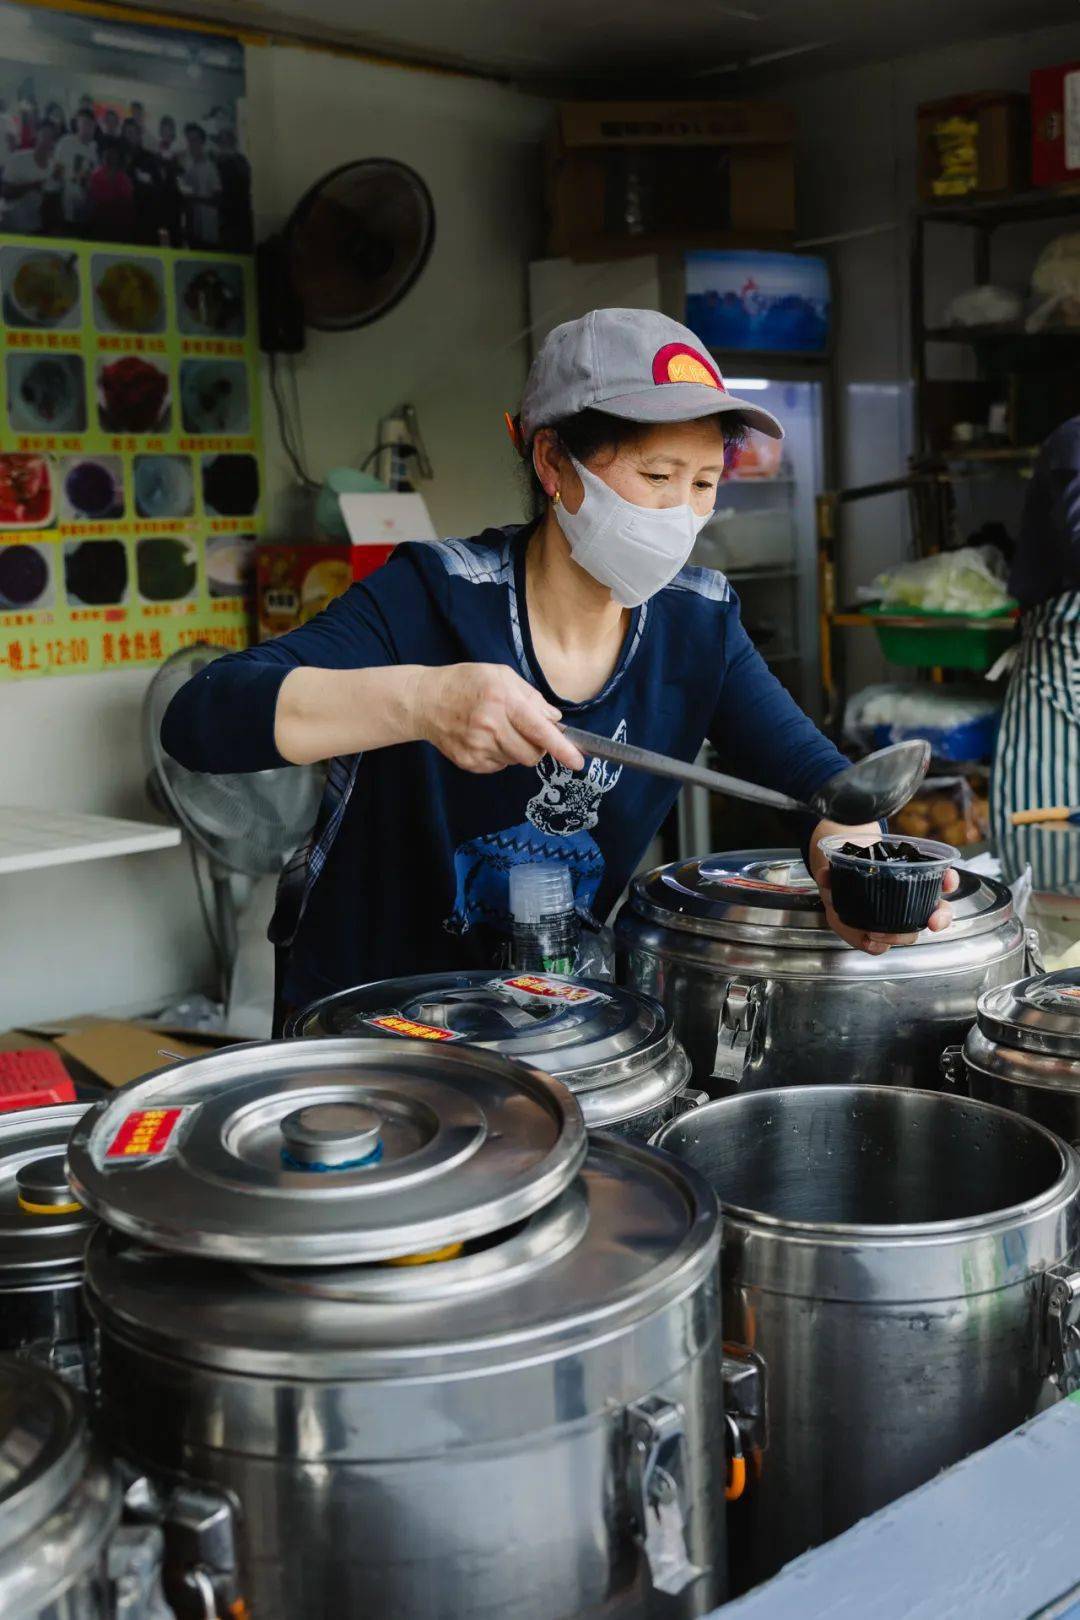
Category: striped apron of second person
[1037,761]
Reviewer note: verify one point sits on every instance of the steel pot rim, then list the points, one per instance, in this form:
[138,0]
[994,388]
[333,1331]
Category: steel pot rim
[894,1234]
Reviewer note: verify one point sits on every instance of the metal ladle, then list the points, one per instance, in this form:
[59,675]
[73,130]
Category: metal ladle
[870,790]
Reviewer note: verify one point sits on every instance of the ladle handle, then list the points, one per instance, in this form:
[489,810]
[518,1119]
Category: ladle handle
[679,770]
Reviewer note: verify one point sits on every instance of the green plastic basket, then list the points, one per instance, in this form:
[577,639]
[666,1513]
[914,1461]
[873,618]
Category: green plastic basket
[940,646]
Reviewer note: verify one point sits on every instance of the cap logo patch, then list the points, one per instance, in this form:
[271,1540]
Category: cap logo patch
[679,363]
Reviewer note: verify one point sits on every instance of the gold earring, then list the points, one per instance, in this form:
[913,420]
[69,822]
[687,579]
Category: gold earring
[556,498]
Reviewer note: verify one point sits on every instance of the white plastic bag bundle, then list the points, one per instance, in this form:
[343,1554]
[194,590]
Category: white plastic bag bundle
[985,305]
[1056,284]
[970,580]
[907,708]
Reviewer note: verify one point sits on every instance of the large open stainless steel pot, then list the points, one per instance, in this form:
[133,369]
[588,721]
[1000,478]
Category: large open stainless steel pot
[763,993]
[1023,1051]
[43,1236]
[66,1550]
[529,1424]
[897,1263]
[59,1502]
[615,1048]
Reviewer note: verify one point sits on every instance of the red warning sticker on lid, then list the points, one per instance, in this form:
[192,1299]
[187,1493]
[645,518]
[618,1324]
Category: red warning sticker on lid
[550,988]
[396,1024]
[148,1133]
[734,882]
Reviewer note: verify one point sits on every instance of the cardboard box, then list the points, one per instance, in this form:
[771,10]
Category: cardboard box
[972,146]
[294,582]
[112,1051]
[637,200]
[675,123]
[1055,124]
[643,176]
[378,522]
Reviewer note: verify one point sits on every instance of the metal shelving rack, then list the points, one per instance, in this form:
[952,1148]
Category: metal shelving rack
[983,217]
[935,472]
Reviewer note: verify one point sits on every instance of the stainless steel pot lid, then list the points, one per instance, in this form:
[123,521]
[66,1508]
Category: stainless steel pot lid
[43,1446]
[327,1152]
[587,1031]
[768,895]
[1040,1014]
[634,1230]
[42,1225]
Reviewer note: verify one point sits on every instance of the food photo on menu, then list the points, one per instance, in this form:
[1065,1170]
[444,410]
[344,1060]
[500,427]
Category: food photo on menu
[27,492]
[133,395]
[129,293]
[46,393]
[91,488]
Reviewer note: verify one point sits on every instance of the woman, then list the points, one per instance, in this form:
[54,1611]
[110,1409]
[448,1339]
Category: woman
[1037,763]
[436,687]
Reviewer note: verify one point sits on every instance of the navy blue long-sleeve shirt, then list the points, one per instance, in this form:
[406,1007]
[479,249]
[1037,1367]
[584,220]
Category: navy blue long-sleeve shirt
[1047,560]
[408,869]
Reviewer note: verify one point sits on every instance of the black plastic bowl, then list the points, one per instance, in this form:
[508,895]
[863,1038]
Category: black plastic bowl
[887,896]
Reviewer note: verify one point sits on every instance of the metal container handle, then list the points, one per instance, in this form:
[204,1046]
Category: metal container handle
[735,1483]
[1033,945]
[657,1474]
[133,1567]
[953,1070]
[743,1375]
[1061,1328]
[688,1100]
[744,1000]
[198,1527]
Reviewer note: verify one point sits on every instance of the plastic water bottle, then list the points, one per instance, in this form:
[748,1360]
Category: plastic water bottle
[546,927]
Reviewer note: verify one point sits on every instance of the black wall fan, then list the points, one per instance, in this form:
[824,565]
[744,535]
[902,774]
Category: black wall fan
[352,248]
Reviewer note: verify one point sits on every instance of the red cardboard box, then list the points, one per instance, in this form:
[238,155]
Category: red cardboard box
[367,557]
[1055,124]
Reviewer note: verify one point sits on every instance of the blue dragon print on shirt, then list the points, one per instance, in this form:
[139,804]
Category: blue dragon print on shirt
[558,824]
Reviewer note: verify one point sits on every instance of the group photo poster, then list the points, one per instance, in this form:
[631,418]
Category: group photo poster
[130,481]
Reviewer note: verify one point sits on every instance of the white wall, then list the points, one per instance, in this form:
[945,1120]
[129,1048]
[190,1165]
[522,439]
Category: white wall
[455,348]
[856,168]
[126,933]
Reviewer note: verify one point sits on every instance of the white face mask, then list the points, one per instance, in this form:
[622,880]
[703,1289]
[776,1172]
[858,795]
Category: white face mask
[636,550]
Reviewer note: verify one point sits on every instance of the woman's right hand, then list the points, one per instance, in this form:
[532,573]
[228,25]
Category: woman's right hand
[484,717]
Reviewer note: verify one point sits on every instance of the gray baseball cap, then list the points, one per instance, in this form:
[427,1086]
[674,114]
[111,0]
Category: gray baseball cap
[633,363]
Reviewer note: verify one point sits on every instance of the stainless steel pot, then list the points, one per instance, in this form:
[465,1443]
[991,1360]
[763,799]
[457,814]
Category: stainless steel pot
[898,1263]
[59,1502]
[529,1425]
[763,993]
[615,1048]
[1023,1051]
[43,1235]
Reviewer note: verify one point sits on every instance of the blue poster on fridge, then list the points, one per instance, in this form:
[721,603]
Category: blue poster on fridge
[774,303]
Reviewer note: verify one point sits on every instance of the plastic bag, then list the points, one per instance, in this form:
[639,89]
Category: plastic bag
[970,580]
[595,954]
[960,726]
[1055,282]
[986,305]
[946,808]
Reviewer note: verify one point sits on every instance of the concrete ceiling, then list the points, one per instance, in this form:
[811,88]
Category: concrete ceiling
[669,48]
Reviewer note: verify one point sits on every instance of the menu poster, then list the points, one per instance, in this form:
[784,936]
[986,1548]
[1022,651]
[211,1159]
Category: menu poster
[129,453]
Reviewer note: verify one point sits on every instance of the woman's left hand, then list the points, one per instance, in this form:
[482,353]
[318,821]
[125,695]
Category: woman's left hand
[858,938]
